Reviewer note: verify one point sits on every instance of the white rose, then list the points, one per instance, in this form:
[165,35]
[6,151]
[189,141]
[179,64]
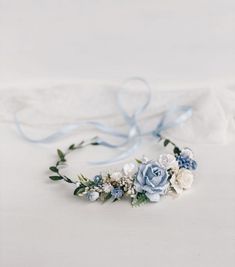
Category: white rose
[107,188]
[187,152]
[185,178]
[168,161]
[182,180]
[93,196]
[129,169]
[116,176]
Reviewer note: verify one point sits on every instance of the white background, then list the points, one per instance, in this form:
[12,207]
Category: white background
[166,40]
[178,42]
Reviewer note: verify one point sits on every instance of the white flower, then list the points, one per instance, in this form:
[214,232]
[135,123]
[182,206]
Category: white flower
[145,159]
[182,180]
[168,161]
[153,197]
[116,176]
[107,188]
[129,169]
[93,196]
[187,152]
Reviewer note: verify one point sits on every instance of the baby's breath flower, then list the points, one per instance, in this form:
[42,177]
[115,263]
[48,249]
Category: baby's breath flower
[107,187]
[116,176]
[129,169]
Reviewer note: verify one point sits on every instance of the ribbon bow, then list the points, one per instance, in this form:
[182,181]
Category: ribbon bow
[132,139]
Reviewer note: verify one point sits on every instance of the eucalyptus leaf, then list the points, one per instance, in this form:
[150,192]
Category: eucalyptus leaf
[53,169]
[56,178]
[72,147]
[138,161]
[79,190]
[166,142]
[61,155]
[177,151]
[140,199]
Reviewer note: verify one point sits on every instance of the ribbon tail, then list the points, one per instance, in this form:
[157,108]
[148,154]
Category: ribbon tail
[172,118]
[62,132]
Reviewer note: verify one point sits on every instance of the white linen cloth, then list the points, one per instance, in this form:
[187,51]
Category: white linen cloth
[42,224]
[48,109]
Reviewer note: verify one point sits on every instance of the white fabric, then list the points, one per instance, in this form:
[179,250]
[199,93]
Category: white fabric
[48,109]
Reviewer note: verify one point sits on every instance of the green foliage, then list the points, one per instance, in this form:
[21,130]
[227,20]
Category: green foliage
[61,155]
[138,161]
[177,151]
[54,169]
[85,181]
[72,147]
[79,190]
[140,199]
[95,143]
[166,142]
[106,196]
[56,178]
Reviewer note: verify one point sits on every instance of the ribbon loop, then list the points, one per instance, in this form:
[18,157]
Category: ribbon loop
[141,108]
[130,140]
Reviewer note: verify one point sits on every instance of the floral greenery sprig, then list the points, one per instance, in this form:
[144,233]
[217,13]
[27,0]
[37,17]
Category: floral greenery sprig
[142,182]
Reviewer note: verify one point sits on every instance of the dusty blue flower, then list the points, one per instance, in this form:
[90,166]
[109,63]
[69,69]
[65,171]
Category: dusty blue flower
[151,179]
[97,179]
[186,162]
[117,192]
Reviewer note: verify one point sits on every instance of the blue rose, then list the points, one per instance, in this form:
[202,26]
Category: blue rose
[152,180]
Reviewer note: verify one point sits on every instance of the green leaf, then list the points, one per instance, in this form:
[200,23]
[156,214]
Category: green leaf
[56,178]
[79,190]
[177,151]
[53,169]
[85,181]
[95,143]
[138,161]
[61,155]
[140,199]
[107,196]
[72,147]
[166,142]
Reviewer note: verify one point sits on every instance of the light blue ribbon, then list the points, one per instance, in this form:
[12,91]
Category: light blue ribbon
[132,139]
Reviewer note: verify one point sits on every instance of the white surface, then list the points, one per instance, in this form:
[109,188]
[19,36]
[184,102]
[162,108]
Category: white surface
[41,223]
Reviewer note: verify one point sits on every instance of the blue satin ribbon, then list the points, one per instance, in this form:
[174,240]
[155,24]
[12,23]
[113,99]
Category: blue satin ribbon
[130,140]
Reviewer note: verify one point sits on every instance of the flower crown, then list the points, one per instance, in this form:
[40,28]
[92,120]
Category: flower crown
[142,182]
